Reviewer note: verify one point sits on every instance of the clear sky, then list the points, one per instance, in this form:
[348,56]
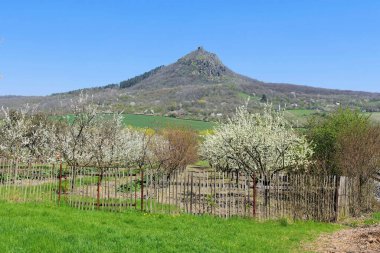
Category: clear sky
[52,46]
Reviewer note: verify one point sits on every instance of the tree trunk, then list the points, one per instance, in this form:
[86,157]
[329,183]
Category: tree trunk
[74,178]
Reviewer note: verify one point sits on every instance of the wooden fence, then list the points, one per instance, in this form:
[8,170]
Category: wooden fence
[196,191]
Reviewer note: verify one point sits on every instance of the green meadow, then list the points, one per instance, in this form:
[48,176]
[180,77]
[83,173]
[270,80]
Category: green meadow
[157,122]
[43,228]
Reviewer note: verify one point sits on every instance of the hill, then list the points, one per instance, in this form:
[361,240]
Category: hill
[200,86]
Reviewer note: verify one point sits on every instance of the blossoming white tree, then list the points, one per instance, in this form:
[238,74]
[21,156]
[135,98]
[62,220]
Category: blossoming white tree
[158,153]
[13,133]
[88,136]
[72,133]
[106,139]
[25,135]
[257,143]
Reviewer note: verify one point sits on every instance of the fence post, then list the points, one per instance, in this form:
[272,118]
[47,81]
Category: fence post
[142,190]
[336,204]
[135,188]
[100,177]
[60,183]
[191,194]
[254,195]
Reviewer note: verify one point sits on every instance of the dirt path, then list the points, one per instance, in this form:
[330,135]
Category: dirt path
[363,240]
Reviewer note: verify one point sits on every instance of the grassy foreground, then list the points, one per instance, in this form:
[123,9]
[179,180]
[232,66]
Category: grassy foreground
[39,228]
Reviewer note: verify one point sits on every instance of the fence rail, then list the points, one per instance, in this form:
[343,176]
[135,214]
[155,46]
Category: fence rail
[197,191]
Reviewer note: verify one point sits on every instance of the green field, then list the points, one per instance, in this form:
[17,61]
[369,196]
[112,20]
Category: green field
[302,112]
[305,113]
[40,228]
[302,115]
[375,116]
[157,122]
[299,117]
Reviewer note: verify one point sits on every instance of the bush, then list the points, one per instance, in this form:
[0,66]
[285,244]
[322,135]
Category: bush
[324,133]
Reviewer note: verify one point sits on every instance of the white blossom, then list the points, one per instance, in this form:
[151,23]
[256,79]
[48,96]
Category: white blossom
[256,143]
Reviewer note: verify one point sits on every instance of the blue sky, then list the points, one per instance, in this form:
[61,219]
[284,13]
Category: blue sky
[53,46]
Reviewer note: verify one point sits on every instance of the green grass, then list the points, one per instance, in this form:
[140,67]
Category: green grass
[41,193]
[376,216]
[154,122]
[299,117]
[202,163]
[42,228]
[375,116]
[302,112]
[245,96]
[374,219]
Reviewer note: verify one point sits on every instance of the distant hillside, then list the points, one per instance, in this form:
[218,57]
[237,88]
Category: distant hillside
[200,86]
[138,79]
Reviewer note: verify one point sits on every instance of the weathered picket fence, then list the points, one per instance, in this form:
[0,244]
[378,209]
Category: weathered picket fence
[195,191]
